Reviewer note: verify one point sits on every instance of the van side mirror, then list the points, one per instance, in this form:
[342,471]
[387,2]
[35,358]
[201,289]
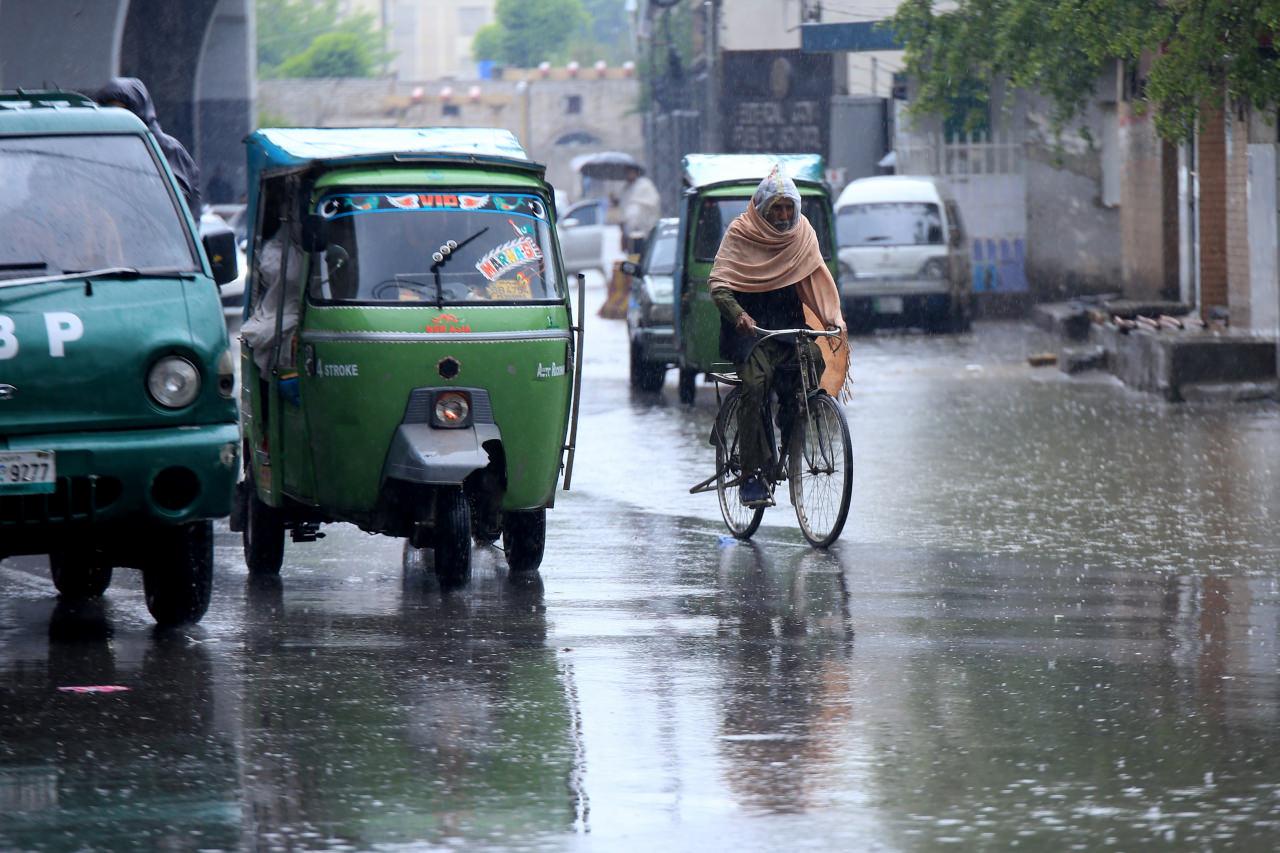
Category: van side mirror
[220,247]
[315,235]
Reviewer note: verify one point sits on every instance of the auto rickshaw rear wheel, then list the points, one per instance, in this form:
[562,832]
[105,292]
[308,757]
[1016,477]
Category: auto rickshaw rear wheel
[453,538]
[177,577]
[80,572]
[524,538]
[263,535]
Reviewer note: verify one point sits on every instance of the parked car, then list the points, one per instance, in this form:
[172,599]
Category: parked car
[903,257]
[117,408]
[651,309]
[588,241]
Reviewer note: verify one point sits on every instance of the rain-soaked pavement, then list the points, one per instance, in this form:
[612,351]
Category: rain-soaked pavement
[1052,622]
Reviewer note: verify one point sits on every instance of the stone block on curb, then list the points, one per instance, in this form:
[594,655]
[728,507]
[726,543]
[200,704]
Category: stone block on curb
[1079,359]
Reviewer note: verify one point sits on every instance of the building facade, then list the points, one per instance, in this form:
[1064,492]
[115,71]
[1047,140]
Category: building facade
[430,39]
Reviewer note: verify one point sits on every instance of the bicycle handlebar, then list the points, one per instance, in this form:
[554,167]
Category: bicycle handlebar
[769,333]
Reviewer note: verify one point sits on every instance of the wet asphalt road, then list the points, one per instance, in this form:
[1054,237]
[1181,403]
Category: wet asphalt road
[1052,622]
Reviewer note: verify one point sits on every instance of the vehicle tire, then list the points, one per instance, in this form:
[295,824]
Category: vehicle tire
[177,579]
[452,538]
[646,375]
[80,572]
[688,386]
[742,521]
[524,538]
[263,535]
[820,471]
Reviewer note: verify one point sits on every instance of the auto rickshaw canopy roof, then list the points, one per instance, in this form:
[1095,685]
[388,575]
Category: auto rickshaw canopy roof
[705,170]
[277,150]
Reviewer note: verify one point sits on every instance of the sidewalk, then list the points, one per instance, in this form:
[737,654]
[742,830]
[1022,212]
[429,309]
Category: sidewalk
[1162,348]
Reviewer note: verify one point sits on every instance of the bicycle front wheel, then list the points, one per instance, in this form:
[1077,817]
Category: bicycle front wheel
[741,520]
[820,471]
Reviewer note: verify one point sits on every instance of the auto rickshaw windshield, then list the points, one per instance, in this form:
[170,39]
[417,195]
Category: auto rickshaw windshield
[715,213]
[445,247]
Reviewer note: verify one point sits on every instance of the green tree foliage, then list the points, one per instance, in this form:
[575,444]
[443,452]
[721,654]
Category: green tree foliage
[528,32]
[311,38]
[1200,51]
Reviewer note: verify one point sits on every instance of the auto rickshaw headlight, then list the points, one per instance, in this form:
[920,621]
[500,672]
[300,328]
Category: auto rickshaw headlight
[452,410]
[173,382]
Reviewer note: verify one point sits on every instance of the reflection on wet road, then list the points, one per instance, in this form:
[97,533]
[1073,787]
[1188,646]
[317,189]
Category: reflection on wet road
[1053,621]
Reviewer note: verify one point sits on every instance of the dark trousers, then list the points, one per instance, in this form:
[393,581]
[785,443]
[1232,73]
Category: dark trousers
[772,366]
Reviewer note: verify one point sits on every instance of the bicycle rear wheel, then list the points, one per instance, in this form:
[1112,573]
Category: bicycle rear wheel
[820,471]
[741,520]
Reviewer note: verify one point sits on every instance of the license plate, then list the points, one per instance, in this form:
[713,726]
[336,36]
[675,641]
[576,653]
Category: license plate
[888,305]
[27,472]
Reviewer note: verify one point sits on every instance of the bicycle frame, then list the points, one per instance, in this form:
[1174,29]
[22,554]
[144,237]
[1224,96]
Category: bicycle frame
[805,358]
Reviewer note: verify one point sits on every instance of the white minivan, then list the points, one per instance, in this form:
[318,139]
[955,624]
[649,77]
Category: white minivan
[904,260]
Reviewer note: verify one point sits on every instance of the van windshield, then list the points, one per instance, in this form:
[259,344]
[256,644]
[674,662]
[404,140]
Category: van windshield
[715,214]
[380,248]
[899,223]
[78,203]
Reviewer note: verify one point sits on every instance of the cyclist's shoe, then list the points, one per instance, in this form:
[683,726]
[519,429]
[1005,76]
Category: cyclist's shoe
[753,491]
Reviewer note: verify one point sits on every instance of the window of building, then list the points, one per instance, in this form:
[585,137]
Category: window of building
[450,110]
[572,104]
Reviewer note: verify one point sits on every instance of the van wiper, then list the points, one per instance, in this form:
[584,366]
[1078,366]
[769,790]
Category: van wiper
[442,257]
[125,273]
[22,267]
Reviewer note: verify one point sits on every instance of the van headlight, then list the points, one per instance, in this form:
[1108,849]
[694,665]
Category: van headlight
[935,268]
[173,382]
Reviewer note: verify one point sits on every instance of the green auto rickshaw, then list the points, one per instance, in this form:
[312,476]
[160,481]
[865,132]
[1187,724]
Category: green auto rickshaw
[717,188]
[409,362]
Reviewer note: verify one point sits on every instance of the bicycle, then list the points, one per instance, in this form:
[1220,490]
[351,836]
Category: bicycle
[819,458]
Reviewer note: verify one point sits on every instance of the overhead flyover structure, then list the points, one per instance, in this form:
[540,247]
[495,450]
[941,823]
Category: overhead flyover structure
[196,58]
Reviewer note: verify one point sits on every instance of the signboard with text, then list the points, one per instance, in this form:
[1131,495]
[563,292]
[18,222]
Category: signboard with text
[775,101]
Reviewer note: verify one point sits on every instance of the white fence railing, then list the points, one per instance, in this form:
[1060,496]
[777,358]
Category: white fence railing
[958,157]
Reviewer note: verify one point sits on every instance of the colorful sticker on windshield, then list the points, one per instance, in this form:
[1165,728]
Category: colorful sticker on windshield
[520,287]
[506,257]
[347,205]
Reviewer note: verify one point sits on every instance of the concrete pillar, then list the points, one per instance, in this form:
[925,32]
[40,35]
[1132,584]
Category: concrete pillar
[67,44]
[225,104]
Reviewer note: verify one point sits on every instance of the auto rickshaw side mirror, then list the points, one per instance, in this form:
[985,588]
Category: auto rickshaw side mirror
[630,268]
[220,247]
[315,235]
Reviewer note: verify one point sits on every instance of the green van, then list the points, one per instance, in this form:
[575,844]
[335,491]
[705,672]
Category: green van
[717,188]
[118,425]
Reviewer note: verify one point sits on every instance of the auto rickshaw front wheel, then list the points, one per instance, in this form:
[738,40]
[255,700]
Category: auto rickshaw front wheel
[263,536]
[177,577]
[453,538]
[524,538]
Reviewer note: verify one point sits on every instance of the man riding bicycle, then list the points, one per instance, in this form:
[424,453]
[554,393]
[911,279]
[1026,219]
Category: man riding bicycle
[769,268]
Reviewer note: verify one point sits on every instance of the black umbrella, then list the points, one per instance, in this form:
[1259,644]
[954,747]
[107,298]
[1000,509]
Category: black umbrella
[606,165]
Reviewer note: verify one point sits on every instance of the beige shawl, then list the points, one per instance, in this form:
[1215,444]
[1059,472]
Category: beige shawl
[755,257]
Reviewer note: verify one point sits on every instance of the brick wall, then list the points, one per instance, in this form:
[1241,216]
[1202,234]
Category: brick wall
[1211,153]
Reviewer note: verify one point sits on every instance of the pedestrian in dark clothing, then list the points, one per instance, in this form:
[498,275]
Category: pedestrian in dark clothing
[131,94]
